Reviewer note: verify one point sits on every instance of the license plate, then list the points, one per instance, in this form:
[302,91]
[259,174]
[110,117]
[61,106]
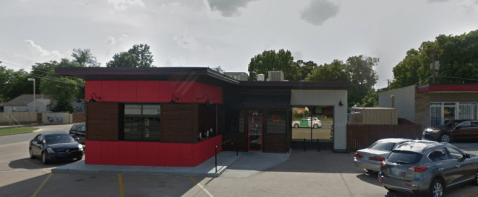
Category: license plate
[397,173]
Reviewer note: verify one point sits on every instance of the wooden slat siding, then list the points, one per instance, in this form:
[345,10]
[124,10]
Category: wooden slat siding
[362,136]
[178,123]
[102,121]
[275,143]
[242,141]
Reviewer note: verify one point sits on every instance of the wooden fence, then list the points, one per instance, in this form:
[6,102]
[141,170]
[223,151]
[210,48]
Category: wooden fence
[362,136]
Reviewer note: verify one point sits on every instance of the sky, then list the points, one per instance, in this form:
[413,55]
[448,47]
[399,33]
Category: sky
[226,33]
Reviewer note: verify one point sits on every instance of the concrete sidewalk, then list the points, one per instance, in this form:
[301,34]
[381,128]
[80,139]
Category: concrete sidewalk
[224,159]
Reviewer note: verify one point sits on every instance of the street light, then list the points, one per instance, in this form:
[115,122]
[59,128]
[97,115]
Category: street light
[34,104]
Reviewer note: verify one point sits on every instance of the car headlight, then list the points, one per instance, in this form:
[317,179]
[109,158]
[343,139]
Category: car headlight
[80,147]
[50,150]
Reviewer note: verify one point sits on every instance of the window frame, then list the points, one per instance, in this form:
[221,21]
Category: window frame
[142,126]
[447,154]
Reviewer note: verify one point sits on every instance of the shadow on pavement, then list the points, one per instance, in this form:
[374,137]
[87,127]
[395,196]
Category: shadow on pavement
[25,163]
[369,178]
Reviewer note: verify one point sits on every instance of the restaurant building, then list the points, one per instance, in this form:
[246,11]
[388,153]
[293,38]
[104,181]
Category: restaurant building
[176,116]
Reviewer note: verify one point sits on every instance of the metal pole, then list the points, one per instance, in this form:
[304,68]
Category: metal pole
[215,158]
[311,123]
[34,104]
[237,147]
[318,145]
[433,68]
[304,144]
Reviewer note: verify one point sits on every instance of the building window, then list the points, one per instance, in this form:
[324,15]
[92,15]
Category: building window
[276,121]
[467,111]
[235,121]
[142,122]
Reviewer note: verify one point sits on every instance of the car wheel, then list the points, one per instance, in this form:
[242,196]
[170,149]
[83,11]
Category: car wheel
[296,126]
[31,153]
[316,126]
[43,158]
[445,138]
[436,188]
[370,172]
[475,182]
[79,158]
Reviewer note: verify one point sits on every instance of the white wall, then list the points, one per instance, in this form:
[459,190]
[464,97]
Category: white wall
[39,105]
[330,98]
[404,101]
[17,109]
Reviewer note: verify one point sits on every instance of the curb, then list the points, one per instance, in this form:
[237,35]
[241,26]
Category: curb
[113,172]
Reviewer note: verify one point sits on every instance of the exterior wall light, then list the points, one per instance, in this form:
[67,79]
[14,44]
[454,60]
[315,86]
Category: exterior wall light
[173,99]
[92,100]
[208,102]
[340,103]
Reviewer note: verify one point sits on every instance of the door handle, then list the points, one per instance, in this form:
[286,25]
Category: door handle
[457,165]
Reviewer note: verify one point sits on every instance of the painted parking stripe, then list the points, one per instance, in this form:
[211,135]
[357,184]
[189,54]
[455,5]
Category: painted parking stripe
[204,189]
[42,184]
[121,186]
[35,165]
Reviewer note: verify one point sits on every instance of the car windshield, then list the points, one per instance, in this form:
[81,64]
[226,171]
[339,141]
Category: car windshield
[403,157]
[58,139]
[383,146]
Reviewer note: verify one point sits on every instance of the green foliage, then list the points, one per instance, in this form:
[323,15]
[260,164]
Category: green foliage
[335,71]
[13,84]
[62,89]
[370,100]
[362,77]
[138,56]
[305,68]
[84,58]
[270,61]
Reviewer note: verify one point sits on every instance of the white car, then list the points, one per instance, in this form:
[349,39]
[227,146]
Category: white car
[305,122]
[371,158]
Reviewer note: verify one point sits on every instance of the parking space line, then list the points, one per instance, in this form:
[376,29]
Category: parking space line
[204,189]
[35,165]
[121,186]
[42,184]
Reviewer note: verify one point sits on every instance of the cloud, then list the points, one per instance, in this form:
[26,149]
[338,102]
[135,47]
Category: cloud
[437,1]
[228,8]
[123,4]
[38,50]
[175,61]
[113,45]
[186,41]
[319,11]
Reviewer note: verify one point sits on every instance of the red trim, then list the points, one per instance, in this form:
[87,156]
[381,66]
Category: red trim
[249,131]
[129,71]
[447,88]
[150,153]
[151,91]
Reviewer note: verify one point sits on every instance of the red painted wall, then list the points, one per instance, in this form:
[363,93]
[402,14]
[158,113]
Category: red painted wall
[150,153]
[440,88]
[151,91]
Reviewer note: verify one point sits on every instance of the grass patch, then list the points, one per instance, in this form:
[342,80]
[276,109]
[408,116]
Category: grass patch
[16,130]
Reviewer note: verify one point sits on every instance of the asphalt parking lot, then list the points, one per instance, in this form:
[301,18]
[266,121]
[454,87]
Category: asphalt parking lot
[308,173]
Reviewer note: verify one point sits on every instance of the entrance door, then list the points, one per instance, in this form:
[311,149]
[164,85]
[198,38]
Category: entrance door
[435,116]
[255,133]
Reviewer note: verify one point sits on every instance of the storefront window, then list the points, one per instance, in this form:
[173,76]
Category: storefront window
[142,122]
[235,121]
[276,121]
[467,111]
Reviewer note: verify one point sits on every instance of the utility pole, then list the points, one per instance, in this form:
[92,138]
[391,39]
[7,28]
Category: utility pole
[34,103]
[434,52]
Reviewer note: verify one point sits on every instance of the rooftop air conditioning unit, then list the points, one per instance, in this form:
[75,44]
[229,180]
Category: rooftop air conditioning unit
[260,77]
[275,75]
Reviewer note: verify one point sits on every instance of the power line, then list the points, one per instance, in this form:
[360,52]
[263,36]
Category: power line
[49,78]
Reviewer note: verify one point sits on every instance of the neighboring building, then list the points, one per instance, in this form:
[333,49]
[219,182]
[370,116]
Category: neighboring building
[433,105]
[241,76]
[25,103]
[78,105]
[165,112]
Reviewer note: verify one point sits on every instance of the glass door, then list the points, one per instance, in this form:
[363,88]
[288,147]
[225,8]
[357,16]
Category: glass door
[255,133]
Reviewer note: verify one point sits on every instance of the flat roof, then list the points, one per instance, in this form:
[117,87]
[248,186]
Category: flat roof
[466,87]
[199,74]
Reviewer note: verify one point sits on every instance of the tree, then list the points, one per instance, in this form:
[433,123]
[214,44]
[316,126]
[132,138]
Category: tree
[305,68]
[218,69]
[62,89]
[270,61]
[335,71]
[138,56]
[362,77]
[370,100]
[13,84]
[84,58]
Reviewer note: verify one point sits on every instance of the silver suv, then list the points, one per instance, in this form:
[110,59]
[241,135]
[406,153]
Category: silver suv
[423,166]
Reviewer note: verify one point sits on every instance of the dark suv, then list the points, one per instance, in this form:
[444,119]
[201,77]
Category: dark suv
[455,129]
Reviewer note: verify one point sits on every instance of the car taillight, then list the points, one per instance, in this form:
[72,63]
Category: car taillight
[377,158]
[383,164]
[417,169]
[358,155]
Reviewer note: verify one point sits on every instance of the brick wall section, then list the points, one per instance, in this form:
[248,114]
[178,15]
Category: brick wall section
[422,109]
[454,97]
[79,117]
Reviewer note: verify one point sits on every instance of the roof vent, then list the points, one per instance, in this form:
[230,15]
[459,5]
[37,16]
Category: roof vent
[275,76]
[260,77]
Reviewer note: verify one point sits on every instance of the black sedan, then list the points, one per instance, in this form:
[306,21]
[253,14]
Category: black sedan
[79,133]
[55,146]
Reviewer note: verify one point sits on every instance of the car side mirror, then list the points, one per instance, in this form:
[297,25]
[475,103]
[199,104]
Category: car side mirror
[467,155]
[74,137]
